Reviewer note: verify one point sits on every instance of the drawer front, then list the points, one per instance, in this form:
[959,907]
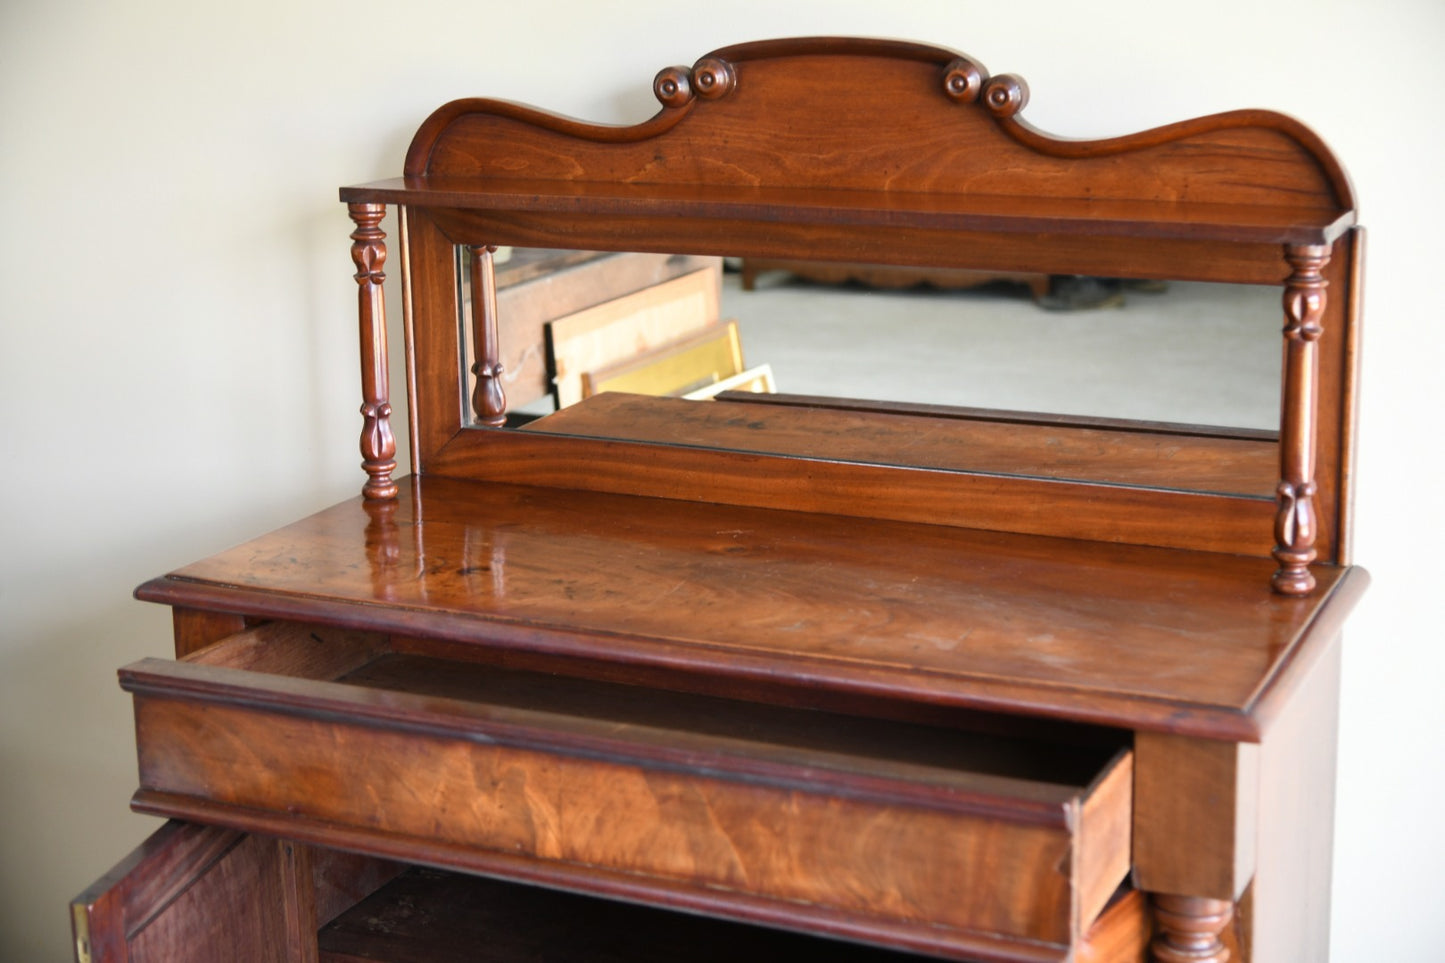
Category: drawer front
[904,854]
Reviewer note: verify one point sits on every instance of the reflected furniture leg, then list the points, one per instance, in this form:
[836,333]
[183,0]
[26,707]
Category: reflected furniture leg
[488,401]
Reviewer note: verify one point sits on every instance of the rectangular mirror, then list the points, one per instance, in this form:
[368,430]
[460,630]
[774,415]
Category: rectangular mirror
[1088,379]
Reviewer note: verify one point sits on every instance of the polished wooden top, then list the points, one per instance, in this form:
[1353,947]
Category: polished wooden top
[1131,636]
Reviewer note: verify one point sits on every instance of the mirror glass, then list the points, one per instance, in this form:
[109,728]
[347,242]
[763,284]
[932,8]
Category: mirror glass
[1014,356]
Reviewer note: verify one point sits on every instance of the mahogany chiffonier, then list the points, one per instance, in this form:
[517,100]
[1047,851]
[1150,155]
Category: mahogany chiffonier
[779,676]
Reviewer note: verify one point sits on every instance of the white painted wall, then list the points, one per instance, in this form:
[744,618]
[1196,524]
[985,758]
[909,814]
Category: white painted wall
[177,355]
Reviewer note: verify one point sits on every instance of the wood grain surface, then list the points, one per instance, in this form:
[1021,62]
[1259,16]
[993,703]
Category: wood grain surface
[1156,639]
[905,132]
[157,903]
[870,820]
[1060,507]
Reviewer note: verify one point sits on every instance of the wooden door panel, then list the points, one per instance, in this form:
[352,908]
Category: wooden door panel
[162,902]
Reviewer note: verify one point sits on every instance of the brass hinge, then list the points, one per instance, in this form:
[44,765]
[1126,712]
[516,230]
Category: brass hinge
[80,917]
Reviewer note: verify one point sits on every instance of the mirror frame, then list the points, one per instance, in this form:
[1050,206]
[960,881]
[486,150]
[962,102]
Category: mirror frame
[935,168]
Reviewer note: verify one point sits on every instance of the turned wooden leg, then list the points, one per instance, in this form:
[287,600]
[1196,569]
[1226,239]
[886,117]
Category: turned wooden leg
[1294,528]
[1190,929]
[378,445]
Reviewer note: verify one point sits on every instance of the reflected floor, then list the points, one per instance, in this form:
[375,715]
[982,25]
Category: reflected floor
[1198,353]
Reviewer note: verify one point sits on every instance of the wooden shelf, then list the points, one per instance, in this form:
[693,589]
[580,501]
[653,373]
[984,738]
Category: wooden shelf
[428,916]
[965,441]
[894,210]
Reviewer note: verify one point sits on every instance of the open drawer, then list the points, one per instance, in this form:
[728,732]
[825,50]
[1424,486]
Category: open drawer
[937,840]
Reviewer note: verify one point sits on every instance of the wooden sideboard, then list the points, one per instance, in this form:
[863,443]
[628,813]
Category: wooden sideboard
[768,675]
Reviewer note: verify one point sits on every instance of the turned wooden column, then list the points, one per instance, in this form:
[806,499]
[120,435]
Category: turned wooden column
[488,399]
[378,445]
[1190,929]
[1294,527]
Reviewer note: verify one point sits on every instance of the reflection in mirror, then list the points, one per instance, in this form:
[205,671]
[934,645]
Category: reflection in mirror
[934,344]
[569,320]
[1183,352]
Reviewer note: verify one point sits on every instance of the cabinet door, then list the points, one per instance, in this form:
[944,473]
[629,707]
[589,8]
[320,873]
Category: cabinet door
[200,893]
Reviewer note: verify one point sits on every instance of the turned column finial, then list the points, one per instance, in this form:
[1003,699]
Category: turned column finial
[1295,524]
[1190,929]
[378,445]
